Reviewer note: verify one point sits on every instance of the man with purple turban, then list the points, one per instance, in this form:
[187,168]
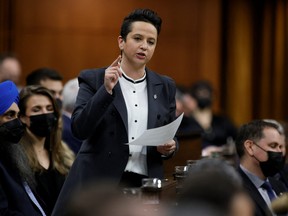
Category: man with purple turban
[16,179]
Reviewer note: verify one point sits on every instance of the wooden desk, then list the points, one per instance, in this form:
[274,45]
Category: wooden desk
[189,149]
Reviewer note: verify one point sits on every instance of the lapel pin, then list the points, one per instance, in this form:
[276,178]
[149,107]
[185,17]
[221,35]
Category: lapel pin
[155,96]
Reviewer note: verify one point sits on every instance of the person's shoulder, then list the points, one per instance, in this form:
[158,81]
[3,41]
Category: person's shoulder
[222,118]
[92,72]
[159,77]
[92,77]
[277,185]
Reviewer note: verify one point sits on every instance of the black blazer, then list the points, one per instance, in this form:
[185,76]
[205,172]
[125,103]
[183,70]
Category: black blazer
[261,208]
[13,198]
[68,137]
[101,120]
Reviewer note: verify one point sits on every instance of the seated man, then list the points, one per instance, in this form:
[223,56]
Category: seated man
[16,179]
[50,79]
[260,147]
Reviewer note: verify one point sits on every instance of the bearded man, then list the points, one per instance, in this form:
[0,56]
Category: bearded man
[16,179]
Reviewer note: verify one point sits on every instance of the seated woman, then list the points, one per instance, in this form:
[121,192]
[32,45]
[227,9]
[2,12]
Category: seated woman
[217,130]
[49,158]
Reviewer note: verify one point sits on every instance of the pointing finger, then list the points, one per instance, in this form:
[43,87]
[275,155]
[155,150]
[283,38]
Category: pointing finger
[115,63]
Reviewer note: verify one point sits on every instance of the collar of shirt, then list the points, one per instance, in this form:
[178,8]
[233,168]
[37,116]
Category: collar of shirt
[132,80]
[258,182]
[253,178]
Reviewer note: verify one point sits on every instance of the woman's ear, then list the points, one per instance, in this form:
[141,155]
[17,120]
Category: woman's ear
[121,43]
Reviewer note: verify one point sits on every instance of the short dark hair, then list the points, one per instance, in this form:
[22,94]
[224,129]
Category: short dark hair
[145,15]
[200,86]
[251,131]
[36,76]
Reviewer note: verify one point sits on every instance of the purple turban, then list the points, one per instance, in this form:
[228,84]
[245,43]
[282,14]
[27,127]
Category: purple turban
[8,95]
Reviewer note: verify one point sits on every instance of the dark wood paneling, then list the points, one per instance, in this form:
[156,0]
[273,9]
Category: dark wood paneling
[5,25]
[189,149]
[71,35]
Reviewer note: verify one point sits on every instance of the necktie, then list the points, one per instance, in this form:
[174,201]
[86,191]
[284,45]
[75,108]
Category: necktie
[267,186]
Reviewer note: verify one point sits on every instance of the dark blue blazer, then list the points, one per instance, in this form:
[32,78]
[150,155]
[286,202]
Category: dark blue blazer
[13,198]
[261,208]
[101,120]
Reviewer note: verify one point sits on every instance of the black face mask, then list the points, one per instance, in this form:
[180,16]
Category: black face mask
[204,103]
[274,164]
[12,131]
[42,125]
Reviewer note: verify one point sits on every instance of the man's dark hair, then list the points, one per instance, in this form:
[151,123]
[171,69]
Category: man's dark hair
[145,15]
[251,131]
[36,76]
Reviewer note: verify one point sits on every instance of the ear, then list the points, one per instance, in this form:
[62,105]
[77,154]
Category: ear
[24,119]
[248,146]
[121,43]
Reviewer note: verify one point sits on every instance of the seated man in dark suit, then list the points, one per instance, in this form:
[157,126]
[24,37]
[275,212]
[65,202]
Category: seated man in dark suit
[261,149]
[16,178]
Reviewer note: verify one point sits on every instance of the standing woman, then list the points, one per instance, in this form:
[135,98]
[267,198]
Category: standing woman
[115,105]
[49,158]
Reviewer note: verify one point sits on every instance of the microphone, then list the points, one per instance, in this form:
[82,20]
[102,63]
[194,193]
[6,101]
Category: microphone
[280,204]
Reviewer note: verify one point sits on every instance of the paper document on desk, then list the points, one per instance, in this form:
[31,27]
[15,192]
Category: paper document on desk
[158,136]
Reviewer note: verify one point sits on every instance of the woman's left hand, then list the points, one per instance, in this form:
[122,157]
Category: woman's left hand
[167,148]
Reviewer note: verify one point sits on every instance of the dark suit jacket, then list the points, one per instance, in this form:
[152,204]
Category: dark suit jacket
[68,137]
[101,119]
[13,198]
[261,207]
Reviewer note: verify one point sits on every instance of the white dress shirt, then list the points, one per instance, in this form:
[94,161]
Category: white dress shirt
[135,95]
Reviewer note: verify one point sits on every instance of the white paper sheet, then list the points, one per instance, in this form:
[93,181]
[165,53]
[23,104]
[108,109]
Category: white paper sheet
[158,136]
